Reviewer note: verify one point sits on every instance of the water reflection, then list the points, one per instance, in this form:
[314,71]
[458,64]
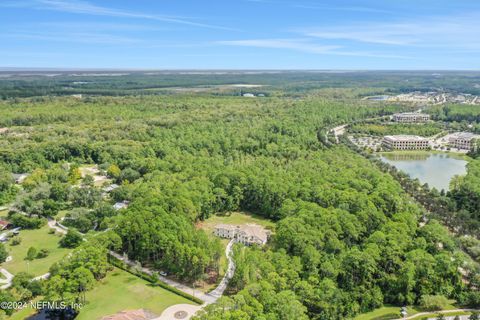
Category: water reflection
[436,169]
[406,156]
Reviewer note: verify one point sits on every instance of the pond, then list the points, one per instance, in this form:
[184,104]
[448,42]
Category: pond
[436,169]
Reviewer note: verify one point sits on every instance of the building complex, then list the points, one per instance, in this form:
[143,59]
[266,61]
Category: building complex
[463,140]
[411,117]
[247,234]
[405,142]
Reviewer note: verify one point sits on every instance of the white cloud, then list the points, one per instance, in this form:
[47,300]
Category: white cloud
[84,7]
[75,37]
[316,6]
[339,8]
[305,45]
[453,32]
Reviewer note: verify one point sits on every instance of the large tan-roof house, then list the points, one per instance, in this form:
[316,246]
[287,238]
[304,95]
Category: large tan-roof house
[248,234]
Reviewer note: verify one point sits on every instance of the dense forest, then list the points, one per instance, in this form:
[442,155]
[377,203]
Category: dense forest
[292,83]
[348,238]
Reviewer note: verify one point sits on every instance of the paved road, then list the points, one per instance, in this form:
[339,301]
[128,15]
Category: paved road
[188,311]
[218,292]
[446,312]
[42,277]
[52,223]
[7,282]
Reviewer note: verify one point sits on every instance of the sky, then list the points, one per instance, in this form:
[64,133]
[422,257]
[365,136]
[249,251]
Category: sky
[241,34]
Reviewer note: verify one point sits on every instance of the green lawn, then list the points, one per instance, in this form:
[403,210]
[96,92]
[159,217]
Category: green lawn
[236,218]
[389,312]
[3,214]
[40,239]
[120,291]
[384,313]
[23,313]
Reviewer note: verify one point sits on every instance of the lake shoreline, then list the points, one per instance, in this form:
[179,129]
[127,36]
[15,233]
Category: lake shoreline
[435,168]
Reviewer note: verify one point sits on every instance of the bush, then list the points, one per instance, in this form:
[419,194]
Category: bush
[43,253]
[3,253]
[433,302]
[19,220]
[72,239]
[16,241]
[31,254]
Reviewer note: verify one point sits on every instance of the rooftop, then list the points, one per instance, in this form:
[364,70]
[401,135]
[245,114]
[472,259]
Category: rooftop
[405,138]
[255,230]
[465,135]
[411,114]
[226,226]
[250,229]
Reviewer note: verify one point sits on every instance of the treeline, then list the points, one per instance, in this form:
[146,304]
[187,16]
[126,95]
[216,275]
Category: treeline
[123,83]
[379,129]
[456,113]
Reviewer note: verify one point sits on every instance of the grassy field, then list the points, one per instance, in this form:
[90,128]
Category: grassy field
[235,218]
[122,291]
[384,313]
[389,312]
[23,313]
[39,239]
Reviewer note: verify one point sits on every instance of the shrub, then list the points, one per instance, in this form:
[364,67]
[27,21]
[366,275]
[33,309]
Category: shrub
[43,253]
[3,253]
[31,254]
[19,220]
[16,241]
[433,302]
[72,239]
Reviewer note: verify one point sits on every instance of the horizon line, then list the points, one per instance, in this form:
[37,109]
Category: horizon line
[64,69]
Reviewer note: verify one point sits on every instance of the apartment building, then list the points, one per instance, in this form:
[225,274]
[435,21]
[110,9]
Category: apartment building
[405,142]
[411,117]
[463,140]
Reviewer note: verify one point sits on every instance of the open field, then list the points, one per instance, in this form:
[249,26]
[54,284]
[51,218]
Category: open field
[235,218]
[120,291]
[39,239]
[23,313]
[390,312]
[92,170]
